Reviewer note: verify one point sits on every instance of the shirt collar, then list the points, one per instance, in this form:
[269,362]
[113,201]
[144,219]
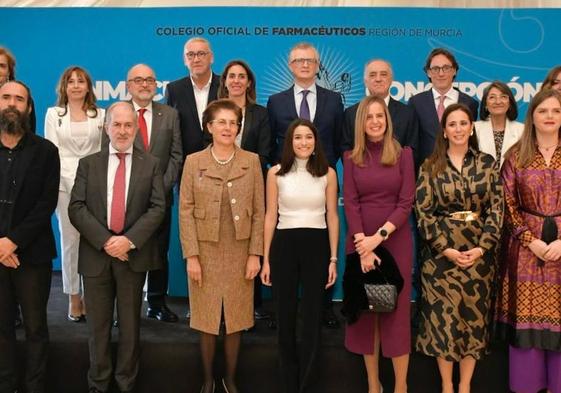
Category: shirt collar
[312,89]
[20,145]
[451,94]
[112,150]
[147,107]
[207,84]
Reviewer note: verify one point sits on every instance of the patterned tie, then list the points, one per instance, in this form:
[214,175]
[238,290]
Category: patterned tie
[304,108]
[117,223]
[440,108]
[143,128]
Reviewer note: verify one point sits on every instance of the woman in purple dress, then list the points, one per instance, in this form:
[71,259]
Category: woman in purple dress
[529,299]
[379,186]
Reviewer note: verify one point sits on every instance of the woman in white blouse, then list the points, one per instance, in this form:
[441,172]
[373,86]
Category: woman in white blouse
[497,130]
[74,125]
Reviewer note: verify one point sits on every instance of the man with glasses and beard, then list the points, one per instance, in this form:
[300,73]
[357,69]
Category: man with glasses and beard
[29,178]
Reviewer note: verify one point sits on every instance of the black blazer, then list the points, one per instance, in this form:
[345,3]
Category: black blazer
[37,178]
[180,95]
[256,135]
[429,126]
[145,209]
[404,120]
[328,120]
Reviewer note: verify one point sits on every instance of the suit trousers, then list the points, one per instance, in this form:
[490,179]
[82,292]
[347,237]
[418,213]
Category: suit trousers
[69,244]
[157,280]
[299,261]
[29,285]
[118,282]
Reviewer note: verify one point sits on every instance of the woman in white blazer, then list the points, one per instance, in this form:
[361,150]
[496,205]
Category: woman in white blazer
[497,130]
[75,126]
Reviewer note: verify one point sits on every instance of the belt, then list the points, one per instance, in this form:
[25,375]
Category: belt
[465,215]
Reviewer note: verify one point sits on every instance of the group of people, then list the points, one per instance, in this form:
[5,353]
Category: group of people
[258,200]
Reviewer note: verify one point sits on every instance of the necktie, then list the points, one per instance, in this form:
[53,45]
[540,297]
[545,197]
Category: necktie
[117,223]
[440,108]
[304,108]
[143,128]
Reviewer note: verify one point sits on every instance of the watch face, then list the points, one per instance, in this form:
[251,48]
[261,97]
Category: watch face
[383,232]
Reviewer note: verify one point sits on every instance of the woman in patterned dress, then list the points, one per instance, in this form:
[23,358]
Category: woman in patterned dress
[459,209]
[529,300]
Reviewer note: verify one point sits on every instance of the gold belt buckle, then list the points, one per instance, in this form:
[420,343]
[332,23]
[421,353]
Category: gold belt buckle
[466,215]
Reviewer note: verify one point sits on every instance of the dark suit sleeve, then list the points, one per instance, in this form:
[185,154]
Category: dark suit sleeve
[412,139]
[170,96]
[145,226]
[474,109]
[338,129]
[348,130]
[274,147]
[265,141]
[176,155]
[25,233]
[95,232]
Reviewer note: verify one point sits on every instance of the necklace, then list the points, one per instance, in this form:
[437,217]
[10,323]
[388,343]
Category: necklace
[222,162]
[547,148]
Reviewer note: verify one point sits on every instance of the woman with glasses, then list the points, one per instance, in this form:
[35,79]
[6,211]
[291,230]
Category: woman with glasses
[75,126]
[459,206]
[497,130]
[238,84]
[221,212]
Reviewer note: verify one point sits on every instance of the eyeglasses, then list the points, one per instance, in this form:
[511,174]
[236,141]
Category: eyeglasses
[200,54]
[445,69]
[222,123]
[495,98]
[140,81]
[301,61]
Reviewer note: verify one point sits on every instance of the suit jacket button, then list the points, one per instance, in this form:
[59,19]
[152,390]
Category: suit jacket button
[229,184]
[233,201]
[237,218]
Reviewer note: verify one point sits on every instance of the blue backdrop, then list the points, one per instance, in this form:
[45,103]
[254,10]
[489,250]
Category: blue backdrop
[515,46]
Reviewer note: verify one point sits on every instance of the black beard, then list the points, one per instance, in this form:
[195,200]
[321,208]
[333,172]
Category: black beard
[13,122]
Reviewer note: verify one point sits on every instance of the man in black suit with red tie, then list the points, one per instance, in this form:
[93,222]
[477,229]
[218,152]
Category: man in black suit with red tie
[378,78]
[29,177]
[306,99]
[190,95]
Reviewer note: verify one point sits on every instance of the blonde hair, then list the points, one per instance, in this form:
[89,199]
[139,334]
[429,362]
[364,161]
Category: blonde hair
[391,149]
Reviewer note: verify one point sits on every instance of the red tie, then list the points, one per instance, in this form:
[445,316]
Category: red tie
[143,128]
[440,108]
[118,202]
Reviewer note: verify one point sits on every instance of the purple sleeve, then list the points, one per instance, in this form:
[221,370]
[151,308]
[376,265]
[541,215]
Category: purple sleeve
[407,192]
[351,197]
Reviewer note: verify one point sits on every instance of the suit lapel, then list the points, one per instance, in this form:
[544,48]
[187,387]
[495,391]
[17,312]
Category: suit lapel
[289,97]
[191,103]
[320,103]
[207,167]
[430,110]
[248,119]
[102,172]
[156,125]
[137,168]
[240,166]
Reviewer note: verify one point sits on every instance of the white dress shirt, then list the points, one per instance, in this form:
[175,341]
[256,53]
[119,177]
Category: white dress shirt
[112,165]
[147,118]
[312,98]
[452,97]
[201,97]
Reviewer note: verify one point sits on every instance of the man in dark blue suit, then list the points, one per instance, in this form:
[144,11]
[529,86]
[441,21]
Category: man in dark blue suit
[378,78]
[305,99]
[441,68]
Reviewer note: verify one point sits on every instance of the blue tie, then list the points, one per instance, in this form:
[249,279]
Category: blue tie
[304,108]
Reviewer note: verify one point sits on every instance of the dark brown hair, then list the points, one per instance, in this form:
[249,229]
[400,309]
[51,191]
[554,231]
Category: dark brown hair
[250,94]
[436,163]
[222,104]
[550,77]
[444,52]
[62,96]
[511,113]
[317,164]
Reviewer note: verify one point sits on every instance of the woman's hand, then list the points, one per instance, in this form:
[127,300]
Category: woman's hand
[470,256]
[366,244]
[266,273]
[331,274]
[194,270]
[367,262]
[553,251]
[539,248]
[252,267]
[457,257]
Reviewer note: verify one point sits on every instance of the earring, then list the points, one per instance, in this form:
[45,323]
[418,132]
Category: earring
[444,135]
[314,153]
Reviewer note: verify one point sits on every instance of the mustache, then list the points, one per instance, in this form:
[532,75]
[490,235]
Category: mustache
[14,122]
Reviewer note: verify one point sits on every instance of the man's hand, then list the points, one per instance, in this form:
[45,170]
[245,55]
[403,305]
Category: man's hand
[10,261]
[118,247]
[7,247]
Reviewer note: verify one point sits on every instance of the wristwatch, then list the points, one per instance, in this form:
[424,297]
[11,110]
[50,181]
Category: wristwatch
[382,232]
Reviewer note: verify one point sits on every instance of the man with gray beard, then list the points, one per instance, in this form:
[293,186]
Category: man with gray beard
[29,178]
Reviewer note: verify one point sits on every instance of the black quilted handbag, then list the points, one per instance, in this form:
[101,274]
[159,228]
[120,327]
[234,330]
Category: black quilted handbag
[381,297]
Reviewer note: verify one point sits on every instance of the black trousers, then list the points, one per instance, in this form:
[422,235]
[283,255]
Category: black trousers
[299,260]
[117,282]
[157,282]
[29,286]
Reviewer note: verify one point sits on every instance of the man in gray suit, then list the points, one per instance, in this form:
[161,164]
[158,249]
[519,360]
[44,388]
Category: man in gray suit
[117,204]
[158,134]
